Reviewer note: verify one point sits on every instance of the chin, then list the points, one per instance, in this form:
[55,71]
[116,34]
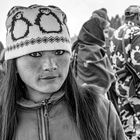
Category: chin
[51,90]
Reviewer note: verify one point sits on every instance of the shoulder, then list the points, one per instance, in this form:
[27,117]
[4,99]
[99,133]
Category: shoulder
[91,92]
[106,112]
[106,108]
[111,118]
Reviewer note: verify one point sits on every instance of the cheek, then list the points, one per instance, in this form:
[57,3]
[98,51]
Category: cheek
[26,68]
[64,62]
[64,65]
[33,65]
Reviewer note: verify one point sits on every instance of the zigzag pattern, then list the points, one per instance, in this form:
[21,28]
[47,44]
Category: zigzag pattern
[39,40]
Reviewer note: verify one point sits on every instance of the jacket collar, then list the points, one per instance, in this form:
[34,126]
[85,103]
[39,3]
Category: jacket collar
[30,104]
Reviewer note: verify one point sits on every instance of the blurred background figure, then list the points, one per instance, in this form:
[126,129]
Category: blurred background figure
[125,59]
[91,64]
[108,30]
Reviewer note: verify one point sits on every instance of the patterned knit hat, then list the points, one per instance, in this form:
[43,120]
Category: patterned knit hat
[36,28]
[101,13]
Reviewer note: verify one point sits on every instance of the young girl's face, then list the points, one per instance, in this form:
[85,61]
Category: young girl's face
[43,72]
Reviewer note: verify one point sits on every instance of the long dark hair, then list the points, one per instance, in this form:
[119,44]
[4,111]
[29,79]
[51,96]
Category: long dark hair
[82,105]
[11,90]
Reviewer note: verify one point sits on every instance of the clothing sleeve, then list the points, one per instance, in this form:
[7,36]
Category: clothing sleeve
[115,130]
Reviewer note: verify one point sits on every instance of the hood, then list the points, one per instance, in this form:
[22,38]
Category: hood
[30,104]
[92,32]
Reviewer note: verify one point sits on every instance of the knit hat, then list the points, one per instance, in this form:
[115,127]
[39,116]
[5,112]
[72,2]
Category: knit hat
[92,31]
[101,13]
[36,28]
[132,10]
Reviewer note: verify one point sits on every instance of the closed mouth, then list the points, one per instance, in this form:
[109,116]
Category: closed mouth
[48,77]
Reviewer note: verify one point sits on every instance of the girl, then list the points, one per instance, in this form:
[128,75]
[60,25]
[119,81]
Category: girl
[40,98]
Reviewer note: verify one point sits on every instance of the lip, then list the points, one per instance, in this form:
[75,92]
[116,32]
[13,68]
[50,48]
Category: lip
[47,77]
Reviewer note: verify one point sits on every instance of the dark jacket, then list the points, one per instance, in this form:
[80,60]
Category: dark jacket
[91,64]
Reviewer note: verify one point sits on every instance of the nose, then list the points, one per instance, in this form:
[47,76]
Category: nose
[49,64]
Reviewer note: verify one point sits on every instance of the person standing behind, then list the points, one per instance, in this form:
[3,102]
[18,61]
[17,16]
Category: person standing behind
[125,58]
[91,64]
[108,31]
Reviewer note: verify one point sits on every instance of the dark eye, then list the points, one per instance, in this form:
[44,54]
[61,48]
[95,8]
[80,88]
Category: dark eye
[59,52]
[36,54]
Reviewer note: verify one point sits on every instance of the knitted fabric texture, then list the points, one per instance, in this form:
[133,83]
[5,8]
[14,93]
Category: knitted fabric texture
[36,28]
